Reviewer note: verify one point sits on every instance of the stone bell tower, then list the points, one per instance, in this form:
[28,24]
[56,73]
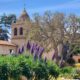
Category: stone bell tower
[19,30]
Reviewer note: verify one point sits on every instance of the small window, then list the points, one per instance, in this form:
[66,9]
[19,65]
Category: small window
[15,31]
[21,31]
[10,51]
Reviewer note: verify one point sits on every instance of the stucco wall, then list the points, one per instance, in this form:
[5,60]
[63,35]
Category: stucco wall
[4,49]
[19,43]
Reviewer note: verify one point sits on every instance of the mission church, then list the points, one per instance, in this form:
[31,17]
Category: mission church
[18,35]
[19,31]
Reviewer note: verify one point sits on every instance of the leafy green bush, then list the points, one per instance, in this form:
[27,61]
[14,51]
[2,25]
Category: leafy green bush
[25,69]
[76,50]
[15,66]
[41,72]
[76,74]
[67,70]
[4,72]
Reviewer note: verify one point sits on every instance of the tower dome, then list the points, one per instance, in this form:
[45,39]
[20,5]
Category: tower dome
[24,15]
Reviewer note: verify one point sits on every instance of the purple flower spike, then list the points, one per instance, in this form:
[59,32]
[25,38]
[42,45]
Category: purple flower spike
[35,51]
[19,51]
[28,45]
[35,46]
[38,47]
[22,49]
[32,49]
[53,56]
[35,56]
[41,52]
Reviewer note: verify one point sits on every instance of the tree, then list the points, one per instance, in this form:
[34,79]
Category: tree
[72,32]
[5,25]
[52,31]
[3,35]
[48,30]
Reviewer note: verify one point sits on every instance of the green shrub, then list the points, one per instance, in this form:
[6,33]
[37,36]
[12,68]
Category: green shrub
[16,66]
[25,69]
[4,72]
[76,74]
[41,72]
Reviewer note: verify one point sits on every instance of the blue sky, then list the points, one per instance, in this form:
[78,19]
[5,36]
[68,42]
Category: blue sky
[40,6]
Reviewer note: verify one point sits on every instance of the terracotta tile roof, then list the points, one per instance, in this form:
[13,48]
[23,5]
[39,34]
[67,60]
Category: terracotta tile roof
[76,58]
[6,43]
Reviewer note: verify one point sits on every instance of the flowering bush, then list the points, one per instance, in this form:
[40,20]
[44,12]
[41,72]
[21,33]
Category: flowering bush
[34,49]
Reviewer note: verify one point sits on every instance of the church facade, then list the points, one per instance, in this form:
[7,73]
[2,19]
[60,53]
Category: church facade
[19,31]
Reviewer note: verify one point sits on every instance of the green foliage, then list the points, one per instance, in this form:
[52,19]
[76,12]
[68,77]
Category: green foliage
[76,74]
[15,66]
[76,49]
[67,70]
[53,69]
[40,71]
[25,69]
[4,72]
[5,26]
[7,19]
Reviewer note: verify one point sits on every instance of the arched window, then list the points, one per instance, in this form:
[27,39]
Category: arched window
[15,31]
[21,31]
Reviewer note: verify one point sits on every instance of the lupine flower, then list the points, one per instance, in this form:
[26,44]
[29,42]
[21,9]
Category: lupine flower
[28,45]
[35,45]
[41,52]
[32,49]
[19,51]
[35,51]
[53,56]
[22,49]
[35,56]
[38,47]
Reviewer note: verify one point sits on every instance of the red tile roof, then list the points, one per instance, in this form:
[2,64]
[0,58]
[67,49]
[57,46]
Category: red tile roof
[6,43]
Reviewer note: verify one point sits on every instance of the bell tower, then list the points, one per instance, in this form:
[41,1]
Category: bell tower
[19,30]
